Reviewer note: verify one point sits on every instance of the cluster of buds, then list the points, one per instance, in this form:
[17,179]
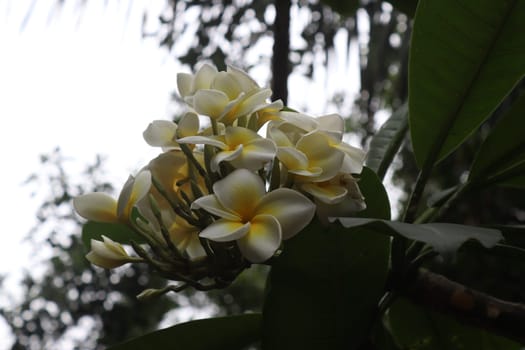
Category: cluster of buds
[221,196]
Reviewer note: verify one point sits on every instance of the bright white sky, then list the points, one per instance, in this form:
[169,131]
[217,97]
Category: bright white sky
[84,80]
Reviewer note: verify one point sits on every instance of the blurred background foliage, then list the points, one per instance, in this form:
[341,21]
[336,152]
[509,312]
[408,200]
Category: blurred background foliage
[71,294]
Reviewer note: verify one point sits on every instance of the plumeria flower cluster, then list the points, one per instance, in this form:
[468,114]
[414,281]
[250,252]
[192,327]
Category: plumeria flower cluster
[221,196]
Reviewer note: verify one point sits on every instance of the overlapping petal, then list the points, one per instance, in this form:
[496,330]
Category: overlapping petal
[211,204]
[296,162]
[292,210]
[188,84]
[263,239]
[134,190]
[210,102]
[325,192]
[255,154]
[224,230]
[320,154]
[245,82]
[161,133]
[225,156]
[240,192]
[96,206]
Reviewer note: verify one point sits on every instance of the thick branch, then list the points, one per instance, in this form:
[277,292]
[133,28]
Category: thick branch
[281,50]
[473,307]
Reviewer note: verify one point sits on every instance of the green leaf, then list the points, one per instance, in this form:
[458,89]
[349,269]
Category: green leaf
[322,292]
[387,140]
[465,57]
[442,237]
[115,231]
[376,198]
[228,333]
[503,152]
[414,327]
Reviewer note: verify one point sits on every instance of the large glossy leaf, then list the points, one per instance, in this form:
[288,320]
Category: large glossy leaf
[117,232]
[386,142]
[376,198]
[323,291]
[503,152]
[442,237]
[222,333]
[414,327]
[312,300]
[465,57]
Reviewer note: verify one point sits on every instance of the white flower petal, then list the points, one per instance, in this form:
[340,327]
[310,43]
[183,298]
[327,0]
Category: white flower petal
[168,167]
[184,82]
[226,83]
[188,125]
[212,141]
[255,154]
[332,123]
[354,158]
[292,209]
[134,190]
[96,206]
[300,120]
[210,102]
[141,186]
[107,254]
[160,133]
[278,136]
[194,249]
[240,192]
[204,77]
[320,154]
[254,102]
[326,193]
[292,158]
[225,156]
[213,206]
[244,80]
[263,240]
[225,230]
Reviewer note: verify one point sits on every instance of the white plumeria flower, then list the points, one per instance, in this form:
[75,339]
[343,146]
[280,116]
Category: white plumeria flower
[241,147]
[332,126]
[257,220]
[312,157]
[164,133]
[351,203]
[108,254]
[222,96]
[101,207]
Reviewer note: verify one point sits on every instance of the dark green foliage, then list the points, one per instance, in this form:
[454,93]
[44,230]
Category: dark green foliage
[465,57]
[416,328]
[228,333]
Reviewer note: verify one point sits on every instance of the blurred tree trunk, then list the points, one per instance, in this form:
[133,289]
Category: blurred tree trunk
[281,50]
